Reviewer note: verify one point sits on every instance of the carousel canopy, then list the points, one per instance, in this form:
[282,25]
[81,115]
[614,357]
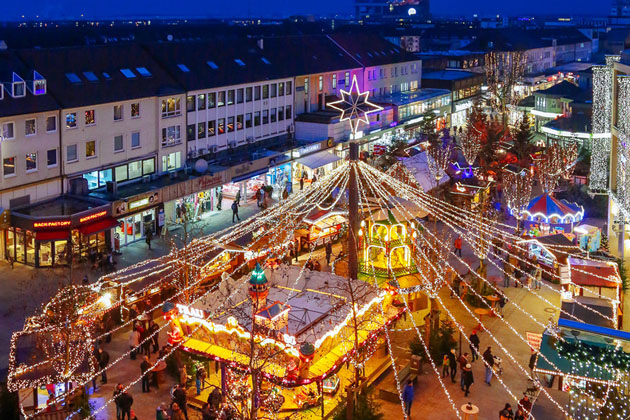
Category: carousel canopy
[547,207]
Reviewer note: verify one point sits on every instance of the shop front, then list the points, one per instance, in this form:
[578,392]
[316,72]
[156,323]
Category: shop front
[45,240]
[313,161]
[460,112]
[135,217]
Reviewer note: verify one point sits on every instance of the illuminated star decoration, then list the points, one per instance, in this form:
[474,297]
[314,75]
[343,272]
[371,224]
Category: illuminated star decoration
[354,106]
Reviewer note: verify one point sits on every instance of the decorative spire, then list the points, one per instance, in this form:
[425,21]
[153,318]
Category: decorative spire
[258,276]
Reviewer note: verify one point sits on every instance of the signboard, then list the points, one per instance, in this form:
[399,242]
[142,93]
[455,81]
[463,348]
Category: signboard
[93,216]
[137,202]
[463,105]
[534,340]
[207,182]
[52,224]
[191,312]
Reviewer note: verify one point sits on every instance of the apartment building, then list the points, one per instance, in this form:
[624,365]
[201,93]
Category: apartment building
[236,95]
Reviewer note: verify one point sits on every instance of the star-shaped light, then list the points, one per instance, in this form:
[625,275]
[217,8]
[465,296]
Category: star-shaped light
[355,106]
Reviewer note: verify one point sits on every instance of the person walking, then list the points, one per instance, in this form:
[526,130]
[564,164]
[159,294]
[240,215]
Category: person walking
[458,246]
[235,211]
[408,397]
[103,361]
[258,196]
[526,405]
[153,332]
[469,379]
[149,237]
[463,361]
[445,362]
[134,341]
[488,357]
[502,302]
[452,362]
[179,395]
[506,413]
[144,368]
[302,184]
[532,360]
[237,198]
[328,251]
[219,198]
[520,414]
[538,276]
[117,393]
[474,345]
[508,271]
[125,400]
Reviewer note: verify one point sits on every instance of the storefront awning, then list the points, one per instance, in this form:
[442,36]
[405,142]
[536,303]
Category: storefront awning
[99,226]
[249,175]
[52,235]
[318,159]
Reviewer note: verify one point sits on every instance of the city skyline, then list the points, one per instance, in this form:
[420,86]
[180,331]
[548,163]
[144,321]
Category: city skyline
[72,9]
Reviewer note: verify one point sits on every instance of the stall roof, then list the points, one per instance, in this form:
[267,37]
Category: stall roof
[559,245]
[336,216]
[318,159]
[591,271]
[599,313]
[418,166]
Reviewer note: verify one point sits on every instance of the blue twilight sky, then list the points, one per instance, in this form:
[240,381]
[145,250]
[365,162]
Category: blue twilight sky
[55,9]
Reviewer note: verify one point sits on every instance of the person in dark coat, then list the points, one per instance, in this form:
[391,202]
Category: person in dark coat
[468,378]
[328,252]
[488,357]
[103,361]
[474,345]
[463,361]
[235,211]
[117,392]
[179,395]
[408,397]
[125,401]
[301,183]
[506,413]
[452,362]
[144,368]
[153,328]
[149,237]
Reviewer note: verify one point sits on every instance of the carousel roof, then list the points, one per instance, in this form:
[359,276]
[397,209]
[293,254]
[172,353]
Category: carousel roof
[547,206]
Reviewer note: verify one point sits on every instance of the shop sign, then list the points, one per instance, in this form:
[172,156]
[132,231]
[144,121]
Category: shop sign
[308,149]
[534,340]
[208,182]
[463,105]
[139,201]
[93,216]
[191,312]
[52,224]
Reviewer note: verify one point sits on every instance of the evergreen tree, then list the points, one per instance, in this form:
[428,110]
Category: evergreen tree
[522,141]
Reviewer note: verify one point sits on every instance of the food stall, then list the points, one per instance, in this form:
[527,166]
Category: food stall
[321,226]
[546,215]
[552,252]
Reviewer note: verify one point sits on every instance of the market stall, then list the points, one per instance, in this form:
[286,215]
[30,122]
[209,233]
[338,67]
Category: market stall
[320,227]
[546,215]
[588,237]
[552,252]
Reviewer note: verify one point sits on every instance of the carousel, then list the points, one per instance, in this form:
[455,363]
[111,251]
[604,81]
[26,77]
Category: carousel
[546,215]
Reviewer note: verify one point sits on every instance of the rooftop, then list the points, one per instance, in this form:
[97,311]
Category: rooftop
[404,98]
[61,206]
[564,89]
[450,75]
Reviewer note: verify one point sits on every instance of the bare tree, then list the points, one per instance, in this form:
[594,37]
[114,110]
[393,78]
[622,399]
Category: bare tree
[503,71]
[557,162]
[517,188]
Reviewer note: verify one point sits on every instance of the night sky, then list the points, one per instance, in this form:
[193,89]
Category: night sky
[55,9]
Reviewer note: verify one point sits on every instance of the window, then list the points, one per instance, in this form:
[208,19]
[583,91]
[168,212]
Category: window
[71,120]
[90,149]
[31,162]
[190,103]
[239,122]
[289,87]
[248,94]
[51,158]
[89,117]
[239,62]
[212,65]
[248,120]
[1,91]
[272,115]
[119,144]
[201,101]
[190,132]
[281,89]
[256,118]
[347,79]
[230,97]
[90,76]
[135,110]
[265,92]
[239,96]
[171,136]
[280,113]
[320,84]
[334,81]
[8,131]
[135,169]
[171,162]
[19,89]
[143,71]
[212,100]
[129,74]
[230,124]
[221,98]
[183,68]
[171,107]
[71,153]
[212,125]
[288,114]
[30,127]
[265,116]
[51,124]
[73,78]
[256,93]
[306,85]
[274,90]
[221,125]
[201,130]
[121,173]
[8,166]
[148,166]
[118,112]
[135,140]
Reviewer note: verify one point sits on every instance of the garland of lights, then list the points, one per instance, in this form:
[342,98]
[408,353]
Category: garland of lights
[623,143]
[602,119]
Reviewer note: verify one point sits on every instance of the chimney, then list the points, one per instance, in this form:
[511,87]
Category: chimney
[260,43]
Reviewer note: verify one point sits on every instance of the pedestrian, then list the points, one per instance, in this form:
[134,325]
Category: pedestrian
[125,400]
[507,271]
[285,194]
[179,395]
[199,377]
[314,179]
[474,345]
[153,332]
[133,415]
[117,392]
[94,357]
[526,405]
[502,301]
[408,397]
[538,276]
[452,362]
[301,189]
[161,412]
[103,361]
[235,211]
[445,362]
[134,342]
[469,379]
[214,399]
[237,198]
[520,414]
[506,413]
[457,281]
[458,246]
[317,266]
[219,198]
[463,361]
[149,236]
[258,196]
[144,368]
[532,360]
[489,359]
[517,275]
[177,412]
[328,251]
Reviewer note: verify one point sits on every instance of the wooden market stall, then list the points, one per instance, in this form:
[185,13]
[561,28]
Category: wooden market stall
[320,227]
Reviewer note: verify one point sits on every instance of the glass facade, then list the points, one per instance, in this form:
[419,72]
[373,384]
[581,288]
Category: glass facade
[126,172]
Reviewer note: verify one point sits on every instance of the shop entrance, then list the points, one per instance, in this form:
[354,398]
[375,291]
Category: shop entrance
[133,228]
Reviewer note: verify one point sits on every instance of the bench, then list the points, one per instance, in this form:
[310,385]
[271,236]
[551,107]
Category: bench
[390,391]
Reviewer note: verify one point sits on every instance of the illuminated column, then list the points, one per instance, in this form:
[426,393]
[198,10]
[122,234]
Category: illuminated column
[602,119]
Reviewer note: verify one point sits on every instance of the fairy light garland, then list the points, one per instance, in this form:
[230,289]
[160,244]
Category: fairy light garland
[601,122]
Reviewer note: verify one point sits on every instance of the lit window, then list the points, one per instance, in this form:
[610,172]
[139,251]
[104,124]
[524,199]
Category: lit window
[39,86]
[221,98]
[230,124]
[171,136]
[321,83]
[90,149]
[212,100]
[239,61]
[71,120]
[148,166]
[31,162]
[73,78]
[230,97]
[89,117]
[8,166]
[30,127]
[183,68]
[221,125]
[119,144]
[90,76]
[171,107]
[201,101]
[51,124]
[171,162]
[143,72]
[212,65]
[211,128]
[265,92]
[201,130]
[334,81]
[128,73]
[135,110]
[239,122]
